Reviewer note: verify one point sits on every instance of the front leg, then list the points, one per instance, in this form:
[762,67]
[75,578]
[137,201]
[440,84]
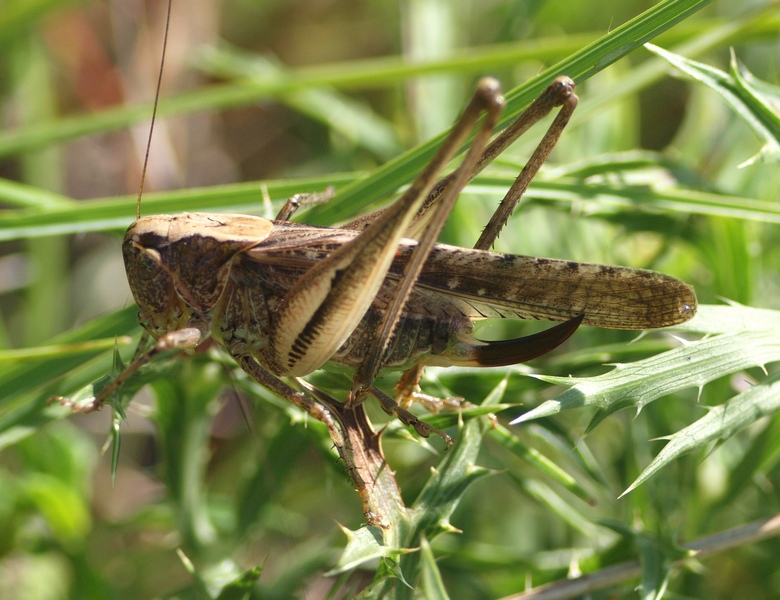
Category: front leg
[188,338]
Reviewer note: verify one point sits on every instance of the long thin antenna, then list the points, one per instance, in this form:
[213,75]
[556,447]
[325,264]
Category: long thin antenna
[154,113]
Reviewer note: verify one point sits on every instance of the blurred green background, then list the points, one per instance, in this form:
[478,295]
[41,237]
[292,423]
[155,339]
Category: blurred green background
[298,95]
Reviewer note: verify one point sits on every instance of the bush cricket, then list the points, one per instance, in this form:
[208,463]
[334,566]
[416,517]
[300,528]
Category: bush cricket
[284,299]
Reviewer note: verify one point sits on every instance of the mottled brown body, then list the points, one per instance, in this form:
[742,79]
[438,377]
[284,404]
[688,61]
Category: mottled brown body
[232,273]
[285,299]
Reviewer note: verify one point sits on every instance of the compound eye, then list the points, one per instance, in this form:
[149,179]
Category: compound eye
[144,263]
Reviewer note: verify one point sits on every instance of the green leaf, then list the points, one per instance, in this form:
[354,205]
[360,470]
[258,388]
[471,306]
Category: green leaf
[427,517]
[656,557]
[431,584]
[754,101]
[64,509]
[30,375]
[364,545]
[636,384]
[537,460]
[341,115]
[713,319]
[720,423]
[579,66]
[241,587]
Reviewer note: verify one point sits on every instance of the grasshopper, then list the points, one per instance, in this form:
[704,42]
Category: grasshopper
[285,299]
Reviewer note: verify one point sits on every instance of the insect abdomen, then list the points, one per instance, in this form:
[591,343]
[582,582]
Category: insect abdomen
[418,339]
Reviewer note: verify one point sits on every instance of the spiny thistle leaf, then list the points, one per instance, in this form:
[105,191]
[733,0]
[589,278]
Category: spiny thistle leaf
[732,318]
[743,338]
[641,382]
[398,546]
[720,423]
